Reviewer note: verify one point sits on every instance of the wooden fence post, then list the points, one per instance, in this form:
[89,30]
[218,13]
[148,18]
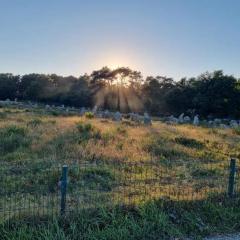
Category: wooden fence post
[63,189]
[231,181]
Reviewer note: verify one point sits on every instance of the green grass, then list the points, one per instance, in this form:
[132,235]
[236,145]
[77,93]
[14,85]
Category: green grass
[153,220]
[89,115]
[115,163]
[12,138]
[237,130]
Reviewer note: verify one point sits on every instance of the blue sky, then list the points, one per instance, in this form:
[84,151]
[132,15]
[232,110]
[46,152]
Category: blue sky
[176,38]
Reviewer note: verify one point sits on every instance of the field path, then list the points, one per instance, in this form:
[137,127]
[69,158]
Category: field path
[226,237]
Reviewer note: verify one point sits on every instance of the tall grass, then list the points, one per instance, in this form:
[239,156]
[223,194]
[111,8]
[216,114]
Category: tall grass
[152,221]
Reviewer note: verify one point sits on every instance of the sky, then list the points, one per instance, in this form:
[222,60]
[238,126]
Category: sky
[174,38]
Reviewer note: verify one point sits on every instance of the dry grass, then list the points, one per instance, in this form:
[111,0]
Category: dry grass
[164,160]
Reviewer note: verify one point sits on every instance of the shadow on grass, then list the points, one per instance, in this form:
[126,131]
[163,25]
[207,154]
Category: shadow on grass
[160,219]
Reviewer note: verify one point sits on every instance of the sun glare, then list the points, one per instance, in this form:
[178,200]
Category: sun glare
[120,81]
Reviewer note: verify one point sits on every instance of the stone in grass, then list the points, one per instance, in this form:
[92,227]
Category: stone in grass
[106,114]
[233,124]
[186,119]
[117,116]
[82,111]
[181,118]
[223,126]
[172,120]
[196,120]
[94,110]
[47,106]
[147,119]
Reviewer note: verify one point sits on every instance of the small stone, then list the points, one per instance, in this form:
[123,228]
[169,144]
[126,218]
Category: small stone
[233,124]
[186,119]
[196,120]
[147,119]
[117,117]
[181,118]
[82,111]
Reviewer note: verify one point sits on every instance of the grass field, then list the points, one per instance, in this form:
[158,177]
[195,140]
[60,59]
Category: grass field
[110,164]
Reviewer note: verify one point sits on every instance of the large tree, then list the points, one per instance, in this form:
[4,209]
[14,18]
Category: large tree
[117,89]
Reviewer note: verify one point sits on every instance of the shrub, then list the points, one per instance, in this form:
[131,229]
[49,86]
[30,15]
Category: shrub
[89,115]
[161,148]
[87,131]
[98,178]
[189,142]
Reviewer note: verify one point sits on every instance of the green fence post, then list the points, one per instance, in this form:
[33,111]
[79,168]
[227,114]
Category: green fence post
[63,189]
[231,181]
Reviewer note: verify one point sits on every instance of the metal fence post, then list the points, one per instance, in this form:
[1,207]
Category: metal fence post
[231,181]
[63,189]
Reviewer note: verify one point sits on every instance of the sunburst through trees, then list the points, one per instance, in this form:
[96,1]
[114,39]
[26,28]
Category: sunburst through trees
[117,89]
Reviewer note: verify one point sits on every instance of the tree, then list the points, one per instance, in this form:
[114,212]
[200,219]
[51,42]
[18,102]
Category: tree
[34,87]
[155,90]
[8,86]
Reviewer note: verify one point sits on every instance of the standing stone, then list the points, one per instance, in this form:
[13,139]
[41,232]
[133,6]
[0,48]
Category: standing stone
[223,126]
[173,120]
[181,118]
[94,110]
[147,119]
[117,117]
[217,121]
[106,114]
[82,111]
[233,124]
[186,119]
[196,120]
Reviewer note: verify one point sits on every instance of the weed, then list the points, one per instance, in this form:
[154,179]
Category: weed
[89,115]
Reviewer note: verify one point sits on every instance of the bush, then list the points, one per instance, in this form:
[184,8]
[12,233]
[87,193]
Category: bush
[189,142]
[89,115]
[160,147]
[99,178]
[87,131]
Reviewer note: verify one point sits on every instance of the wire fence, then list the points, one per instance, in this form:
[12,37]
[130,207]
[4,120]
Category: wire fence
[57,190]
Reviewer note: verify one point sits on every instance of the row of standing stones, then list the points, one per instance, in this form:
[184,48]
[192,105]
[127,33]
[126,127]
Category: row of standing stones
[97,113]
[217,122]
[135,117]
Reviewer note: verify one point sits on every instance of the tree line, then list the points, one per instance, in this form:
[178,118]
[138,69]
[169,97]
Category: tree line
[210,94]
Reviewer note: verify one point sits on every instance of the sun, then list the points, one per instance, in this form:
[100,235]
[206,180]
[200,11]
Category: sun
[121,81]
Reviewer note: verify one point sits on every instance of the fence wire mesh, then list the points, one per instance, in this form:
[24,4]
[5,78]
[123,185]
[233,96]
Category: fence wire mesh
[37,191]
